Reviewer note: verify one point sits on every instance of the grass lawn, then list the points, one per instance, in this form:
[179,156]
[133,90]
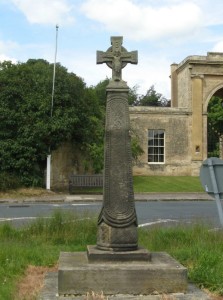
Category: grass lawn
[142,184]
[40,243]
[165,184]
[159,184]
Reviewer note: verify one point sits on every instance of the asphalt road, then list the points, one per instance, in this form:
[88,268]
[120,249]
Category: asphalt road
[149,212]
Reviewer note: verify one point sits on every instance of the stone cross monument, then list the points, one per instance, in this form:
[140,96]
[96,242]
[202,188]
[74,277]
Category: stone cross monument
[117,57]
[117,265]
[117,222]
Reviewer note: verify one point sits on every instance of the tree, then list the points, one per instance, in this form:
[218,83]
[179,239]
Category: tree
[215,113]
[100,90]
[133,96]
[215,125]
[28,130]
[152,98]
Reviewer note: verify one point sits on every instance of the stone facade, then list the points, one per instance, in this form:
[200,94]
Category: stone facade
[176,124]
[65,161]
[193,82]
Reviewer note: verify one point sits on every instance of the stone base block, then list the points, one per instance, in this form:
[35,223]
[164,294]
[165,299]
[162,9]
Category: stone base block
[163,274]
[117,239]
[96,255]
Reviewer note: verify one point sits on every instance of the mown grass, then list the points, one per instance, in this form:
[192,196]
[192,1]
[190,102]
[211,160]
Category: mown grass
[158,184]
[40,243]
[172,184]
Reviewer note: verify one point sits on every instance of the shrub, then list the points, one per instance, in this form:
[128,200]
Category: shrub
[8,181]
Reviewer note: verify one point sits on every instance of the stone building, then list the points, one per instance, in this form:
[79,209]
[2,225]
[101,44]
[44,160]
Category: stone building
[174,139]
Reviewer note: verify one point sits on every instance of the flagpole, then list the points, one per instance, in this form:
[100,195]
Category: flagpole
[48,165]
[54,73]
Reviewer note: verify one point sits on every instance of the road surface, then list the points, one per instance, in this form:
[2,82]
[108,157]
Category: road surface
[149,212]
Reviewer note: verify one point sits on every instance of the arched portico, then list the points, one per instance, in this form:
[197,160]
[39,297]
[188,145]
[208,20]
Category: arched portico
[217,91]
[214,137]
[194,81]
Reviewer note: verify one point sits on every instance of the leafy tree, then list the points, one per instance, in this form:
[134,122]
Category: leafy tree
[215,113]
[152,98]
[100,90]
[215,125]
[133,96]
[31,127]
[28,130]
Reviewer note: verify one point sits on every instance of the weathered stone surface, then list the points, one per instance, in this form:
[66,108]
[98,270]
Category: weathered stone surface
[176,124]
[116,57]
[117,222]
[50,292]
[163,274]
[118,207]
[95,255]
[117,239]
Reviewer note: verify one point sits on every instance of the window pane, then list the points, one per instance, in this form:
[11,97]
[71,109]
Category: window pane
[161,151]
[161,134]
[155,158]
[150,150]
[161,158]
[151,142]
[155,150]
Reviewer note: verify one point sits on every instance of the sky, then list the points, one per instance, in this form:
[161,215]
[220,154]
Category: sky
[163,32]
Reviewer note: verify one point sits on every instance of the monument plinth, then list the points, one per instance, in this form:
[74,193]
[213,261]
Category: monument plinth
[116,265]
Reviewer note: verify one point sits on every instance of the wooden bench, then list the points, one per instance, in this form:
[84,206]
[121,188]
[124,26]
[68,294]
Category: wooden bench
[82,181]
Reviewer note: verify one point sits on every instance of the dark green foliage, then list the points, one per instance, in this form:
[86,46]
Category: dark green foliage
[215,113]
[133,96]
[32,125]
[8,181]
[215,125]
[30,128]
[137,150]
[151,98]
[100,90]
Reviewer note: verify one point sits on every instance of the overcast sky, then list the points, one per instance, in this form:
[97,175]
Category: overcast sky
[163,32]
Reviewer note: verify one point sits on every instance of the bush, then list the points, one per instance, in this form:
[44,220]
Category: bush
[8,181]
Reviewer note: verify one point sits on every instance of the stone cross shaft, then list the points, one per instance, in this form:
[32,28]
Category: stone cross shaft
[117,221]
[117,57]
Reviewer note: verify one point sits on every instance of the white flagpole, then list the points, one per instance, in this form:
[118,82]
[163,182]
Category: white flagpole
[48,165]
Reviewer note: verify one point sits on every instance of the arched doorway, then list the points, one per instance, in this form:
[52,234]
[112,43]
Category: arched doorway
[215,125]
